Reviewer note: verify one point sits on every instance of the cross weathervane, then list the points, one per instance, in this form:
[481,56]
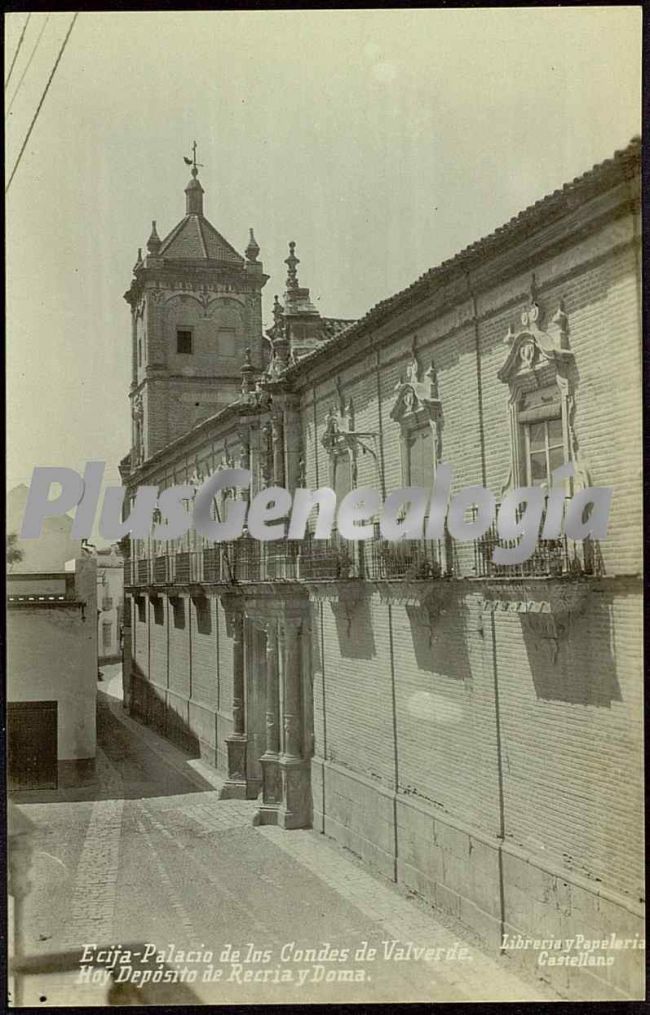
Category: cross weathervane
[192,162]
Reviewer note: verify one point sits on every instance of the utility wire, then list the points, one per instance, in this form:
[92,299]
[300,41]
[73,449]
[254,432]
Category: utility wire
[22,76]
[20,42]
[38,108]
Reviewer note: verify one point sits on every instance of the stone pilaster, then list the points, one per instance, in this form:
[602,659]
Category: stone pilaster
[271,777]
[286,781]
[293,441]
[236,786]
[277,425]
[295,808]
[127,653]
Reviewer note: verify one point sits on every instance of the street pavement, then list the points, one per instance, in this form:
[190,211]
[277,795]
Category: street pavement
[149,855]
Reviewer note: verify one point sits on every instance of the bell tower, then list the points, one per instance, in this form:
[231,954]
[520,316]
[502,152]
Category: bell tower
[196,306]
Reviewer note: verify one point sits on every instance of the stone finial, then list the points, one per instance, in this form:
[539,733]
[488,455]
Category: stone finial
[248,372]
[252,250]
[292,261]
[138,261]
[154,242]
[278,317]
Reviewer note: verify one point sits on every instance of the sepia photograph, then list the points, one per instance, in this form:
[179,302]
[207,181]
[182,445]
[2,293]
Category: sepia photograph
[324,505]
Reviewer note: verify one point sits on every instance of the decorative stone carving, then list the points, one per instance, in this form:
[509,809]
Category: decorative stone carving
[340,437]
[417,405]
[533,347]
[427,596]
[344,596]
[266,454]
[539,356]
[418,394]
[545,606]
[138,429]
[198,477]
[292,263]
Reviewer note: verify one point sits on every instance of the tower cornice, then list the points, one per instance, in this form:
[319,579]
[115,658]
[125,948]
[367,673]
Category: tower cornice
[193,278]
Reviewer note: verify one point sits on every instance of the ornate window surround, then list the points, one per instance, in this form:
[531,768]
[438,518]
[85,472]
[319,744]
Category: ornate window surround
[539,356]
[416,405]
[340,438]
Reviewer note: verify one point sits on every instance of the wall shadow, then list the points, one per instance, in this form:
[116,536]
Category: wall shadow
[572,658]
[127,767]
[203,615]
[354,628]
[440,641]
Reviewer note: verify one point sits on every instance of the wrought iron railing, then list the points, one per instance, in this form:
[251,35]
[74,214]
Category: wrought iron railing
[329,559]
[181,567]
[160,570]
[309,559]
[550,558]
[409,559]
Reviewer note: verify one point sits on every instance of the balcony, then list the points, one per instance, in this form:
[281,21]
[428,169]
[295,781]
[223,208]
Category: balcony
[329,559]
[160,570]
[408,560]
[552,558]
[310,559]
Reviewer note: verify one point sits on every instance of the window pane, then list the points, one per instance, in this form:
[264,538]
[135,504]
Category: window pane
[536,436]
[556,457]
[538,467]
[555,432]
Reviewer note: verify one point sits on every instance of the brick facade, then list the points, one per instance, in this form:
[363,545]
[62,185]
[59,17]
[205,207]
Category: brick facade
[476,737]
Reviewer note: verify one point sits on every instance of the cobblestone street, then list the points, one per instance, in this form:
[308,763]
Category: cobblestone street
[151,855]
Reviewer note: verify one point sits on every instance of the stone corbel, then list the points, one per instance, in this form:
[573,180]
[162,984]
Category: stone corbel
[546,607]
[427,596]
[417,396]
[544,595]
[340,435]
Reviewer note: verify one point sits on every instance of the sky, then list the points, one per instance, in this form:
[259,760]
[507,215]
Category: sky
[381,141]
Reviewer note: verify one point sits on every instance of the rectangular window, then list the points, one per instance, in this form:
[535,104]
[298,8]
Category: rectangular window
[184,343]
[544,450]
[107,635]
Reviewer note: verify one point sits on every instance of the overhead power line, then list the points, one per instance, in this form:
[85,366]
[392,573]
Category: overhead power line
[20,42]
[38,108]
[31,57]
